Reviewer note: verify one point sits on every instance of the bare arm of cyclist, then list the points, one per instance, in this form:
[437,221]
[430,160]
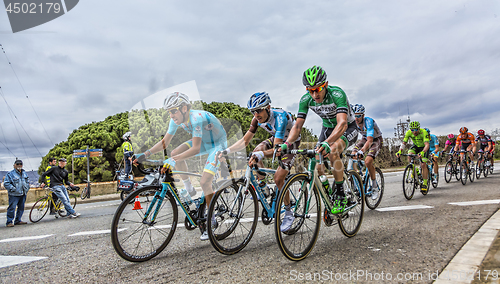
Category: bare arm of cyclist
[295,131]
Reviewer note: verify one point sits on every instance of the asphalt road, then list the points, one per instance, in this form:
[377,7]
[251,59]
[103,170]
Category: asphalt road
[409,246]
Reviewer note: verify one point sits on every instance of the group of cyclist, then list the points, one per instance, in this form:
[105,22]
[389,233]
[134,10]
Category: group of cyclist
[465,141]
[342,122]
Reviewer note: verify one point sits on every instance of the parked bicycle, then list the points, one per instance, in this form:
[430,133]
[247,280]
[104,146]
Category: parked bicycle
[302,190]
[452,167]
[412,177]
[146,220]
[86,190]
[467,168]
[42,205]
[235,209]
[362,170]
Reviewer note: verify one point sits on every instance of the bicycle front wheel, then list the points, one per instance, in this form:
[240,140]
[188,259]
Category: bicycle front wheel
[479,168]
[456,167]
[448,171]
[352,219]
[236,212]
[298,240]
[472,171]
[370,202]
[463,172]
[409,181]
[39,209]
[137,237]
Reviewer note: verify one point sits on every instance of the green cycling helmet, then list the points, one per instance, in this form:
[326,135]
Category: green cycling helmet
[414,125]
[314,76]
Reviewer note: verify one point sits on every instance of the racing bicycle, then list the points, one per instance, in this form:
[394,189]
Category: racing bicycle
[305,191]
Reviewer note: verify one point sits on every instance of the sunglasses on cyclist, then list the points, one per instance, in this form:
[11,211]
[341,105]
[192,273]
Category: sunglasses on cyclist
[174,110]
[19,164]
[415,129]
[317,89]
[358,115]
[257,111]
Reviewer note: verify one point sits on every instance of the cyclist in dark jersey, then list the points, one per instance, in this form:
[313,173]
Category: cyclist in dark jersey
[485,143]
[339,129]
[278,123]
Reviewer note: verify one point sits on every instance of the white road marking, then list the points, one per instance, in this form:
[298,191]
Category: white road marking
[411,207]
[477,202]
[24,238]
[94,232]
[6,261]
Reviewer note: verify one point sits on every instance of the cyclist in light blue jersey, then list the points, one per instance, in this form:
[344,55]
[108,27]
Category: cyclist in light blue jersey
[434,149]
[278,123]
[369,146]
[208,137]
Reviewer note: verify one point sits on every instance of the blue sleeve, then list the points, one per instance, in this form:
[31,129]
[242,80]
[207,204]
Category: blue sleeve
[172,127]
[281,123]
[435,139]
[370,130]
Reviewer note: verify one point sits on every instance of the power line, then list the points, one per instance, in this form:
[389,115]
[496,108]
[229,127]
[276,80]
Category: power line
[13,114]
[22,87]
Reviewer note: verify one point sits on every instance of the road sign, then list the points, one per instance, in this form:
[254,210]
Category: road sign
[95,154]
[80,151]
[79,156]
[95,150]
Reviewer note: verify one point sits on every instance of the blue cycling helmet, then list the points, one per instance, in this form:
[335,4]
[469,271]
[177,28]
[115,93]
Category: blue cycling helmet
[358,109]
[428,131]
[258,100]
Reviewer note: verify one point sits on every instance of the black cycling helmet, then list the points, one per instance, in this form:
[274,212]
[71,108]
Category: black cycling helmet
[314,76]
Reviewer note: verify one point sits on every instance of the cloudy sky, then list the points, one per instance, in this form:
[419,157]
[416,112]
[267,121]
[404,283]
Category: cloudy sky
[439,59]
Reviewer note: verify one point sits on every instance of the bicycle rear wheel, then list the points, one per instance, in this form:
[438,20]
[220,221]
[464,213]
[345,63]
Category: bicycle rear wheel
[463,172]
[236,211]
[486,171]
[62,211]
[351,220]
[448,171]
[39,209]
[136,237]
[409,181]
[370,202]
[297,242]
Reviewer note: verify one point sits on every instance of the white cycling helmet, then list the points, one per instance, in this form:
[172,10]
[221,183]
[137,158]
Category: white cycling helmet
[357,108]
[175,99]
[126,136]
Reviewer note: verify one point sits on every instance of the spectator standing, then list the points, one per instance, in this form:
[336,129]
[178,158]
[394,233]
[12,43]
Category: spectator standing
[17,184]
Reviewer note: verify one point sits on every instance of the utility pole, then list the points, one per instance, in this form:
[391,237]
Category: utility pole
[401,128]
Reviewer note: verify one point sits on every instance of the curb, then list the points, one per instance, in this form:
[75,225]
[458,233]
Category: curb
[467,261]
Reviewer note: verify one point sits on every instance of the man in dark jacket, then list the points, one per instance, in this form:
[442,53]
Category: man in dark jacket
[58,178]
[17,184]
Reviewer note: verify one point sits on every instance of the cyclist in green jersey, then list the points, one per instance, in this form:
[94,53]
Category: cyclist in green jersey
[339,129]
[421,145]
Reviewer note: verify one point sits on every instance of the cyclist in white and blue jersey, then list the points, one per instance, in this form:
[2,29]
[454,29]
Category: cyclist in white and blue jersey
[208,137]
[369,145]
[278,123]
[434,149]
